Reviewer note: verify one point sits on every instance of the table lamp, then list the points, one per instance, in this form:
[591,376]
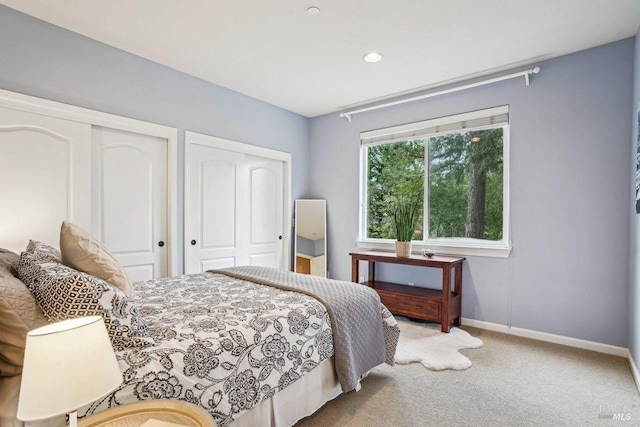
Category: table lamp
[67,365]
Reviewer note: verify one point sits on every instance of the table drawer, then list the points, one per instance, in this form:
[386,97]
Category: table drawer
[416,306]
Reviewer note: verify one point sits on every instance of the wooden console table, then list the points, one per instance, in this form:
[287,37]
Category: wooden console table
[435,305]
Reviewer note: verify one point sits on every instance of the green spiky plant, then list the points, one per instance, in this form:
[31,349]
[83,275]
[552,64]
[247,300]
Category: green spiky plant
[405,214]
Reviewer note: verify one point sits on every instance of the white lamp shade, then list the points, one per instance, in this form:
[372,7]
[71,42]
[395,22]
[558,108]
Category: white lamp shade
[67,365]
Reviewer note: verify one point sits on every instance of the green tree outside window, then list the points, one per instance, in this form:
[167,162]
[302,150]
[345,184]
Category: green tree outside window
[465,184]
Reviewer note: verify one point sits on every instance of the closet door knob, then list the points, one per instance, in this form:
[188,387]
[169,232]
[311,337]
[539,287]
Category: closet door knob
[193,243]
[161,243]
[279,237]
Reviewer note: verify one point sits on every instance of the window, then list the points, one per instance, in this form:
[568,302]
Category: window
[453,169]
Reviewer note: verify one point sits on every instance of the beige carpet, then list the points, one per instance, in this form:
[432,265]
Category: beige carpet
[424,343]
[513,382]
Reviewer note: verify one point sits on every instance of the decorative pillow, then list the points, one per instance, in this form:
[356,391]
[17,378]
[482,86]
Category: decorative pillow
[43,250]
[9,260]
[83,252]
[19,314]
[64,293]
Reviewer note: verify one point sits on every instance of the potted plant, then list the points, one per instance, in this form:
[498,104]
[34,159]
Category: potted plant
[405,214]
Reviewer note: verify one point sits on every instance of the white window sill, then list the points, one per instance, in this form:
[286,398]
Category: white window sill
[461,247]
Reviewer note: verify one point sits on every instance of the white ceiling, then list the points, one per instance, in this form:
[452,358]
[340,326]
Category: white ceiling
[312,65]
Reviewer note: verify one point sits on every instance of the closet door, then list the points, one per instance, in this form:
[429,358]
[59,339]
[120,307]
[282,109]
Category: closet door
[130,200]
[211,209]
[45,177]
[233,209]
[265,197]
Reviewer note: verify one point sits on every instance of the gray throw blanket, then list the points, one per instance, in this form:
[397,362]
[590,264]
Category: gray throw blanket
[355,312]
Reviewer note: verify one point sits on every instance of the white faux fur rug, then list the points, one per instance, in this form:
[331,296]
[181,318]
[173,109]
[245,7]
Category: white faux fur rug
[424,343]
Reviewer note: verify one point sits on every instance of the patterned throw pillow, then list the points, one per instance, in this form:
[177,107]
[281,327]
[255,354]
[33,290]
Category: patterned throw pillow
[65,293]
[44,251]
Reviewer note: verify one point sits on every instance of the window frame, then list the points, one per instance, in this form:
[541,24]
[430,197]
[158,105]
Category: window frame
[450,245]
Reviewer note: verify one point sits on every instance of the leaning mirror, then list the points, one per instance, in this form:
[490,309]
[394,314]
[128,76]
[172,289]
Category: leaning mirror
[311,242]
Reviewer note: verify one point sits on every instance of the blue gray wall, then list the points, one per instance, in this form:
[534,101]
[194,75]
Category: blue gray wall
[634,253]
[40,59]
[305,246]
[569,269]
[309,247]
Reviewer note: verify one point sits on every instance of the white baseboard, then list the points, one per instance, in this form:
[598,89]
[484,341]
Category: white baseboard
[634,370]
[556,339]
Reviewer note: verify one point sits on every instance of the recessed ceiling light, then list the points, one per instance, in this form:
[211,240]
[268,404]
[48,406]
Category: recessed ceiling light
[313,10]
[372,57]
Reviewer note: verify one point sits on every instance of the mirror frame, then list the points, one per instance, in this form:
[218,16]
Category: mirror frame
[295,232]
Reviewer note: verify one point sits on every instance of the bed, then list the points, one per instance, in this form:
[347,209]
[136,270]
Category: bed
[251,345]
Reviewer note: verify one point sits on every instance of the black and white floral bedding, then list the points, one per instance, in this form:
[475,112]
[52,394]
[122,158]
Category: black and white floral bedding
[220,342]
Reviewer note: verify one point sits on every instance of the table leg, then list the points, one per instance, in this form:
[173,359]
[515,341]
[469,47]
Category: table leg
[372,271]
[446,296]
[457,289]
[354,269]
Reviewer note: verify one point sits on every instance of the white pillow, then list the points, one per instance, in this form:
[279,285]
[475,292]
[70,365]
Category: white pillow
[83,252]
